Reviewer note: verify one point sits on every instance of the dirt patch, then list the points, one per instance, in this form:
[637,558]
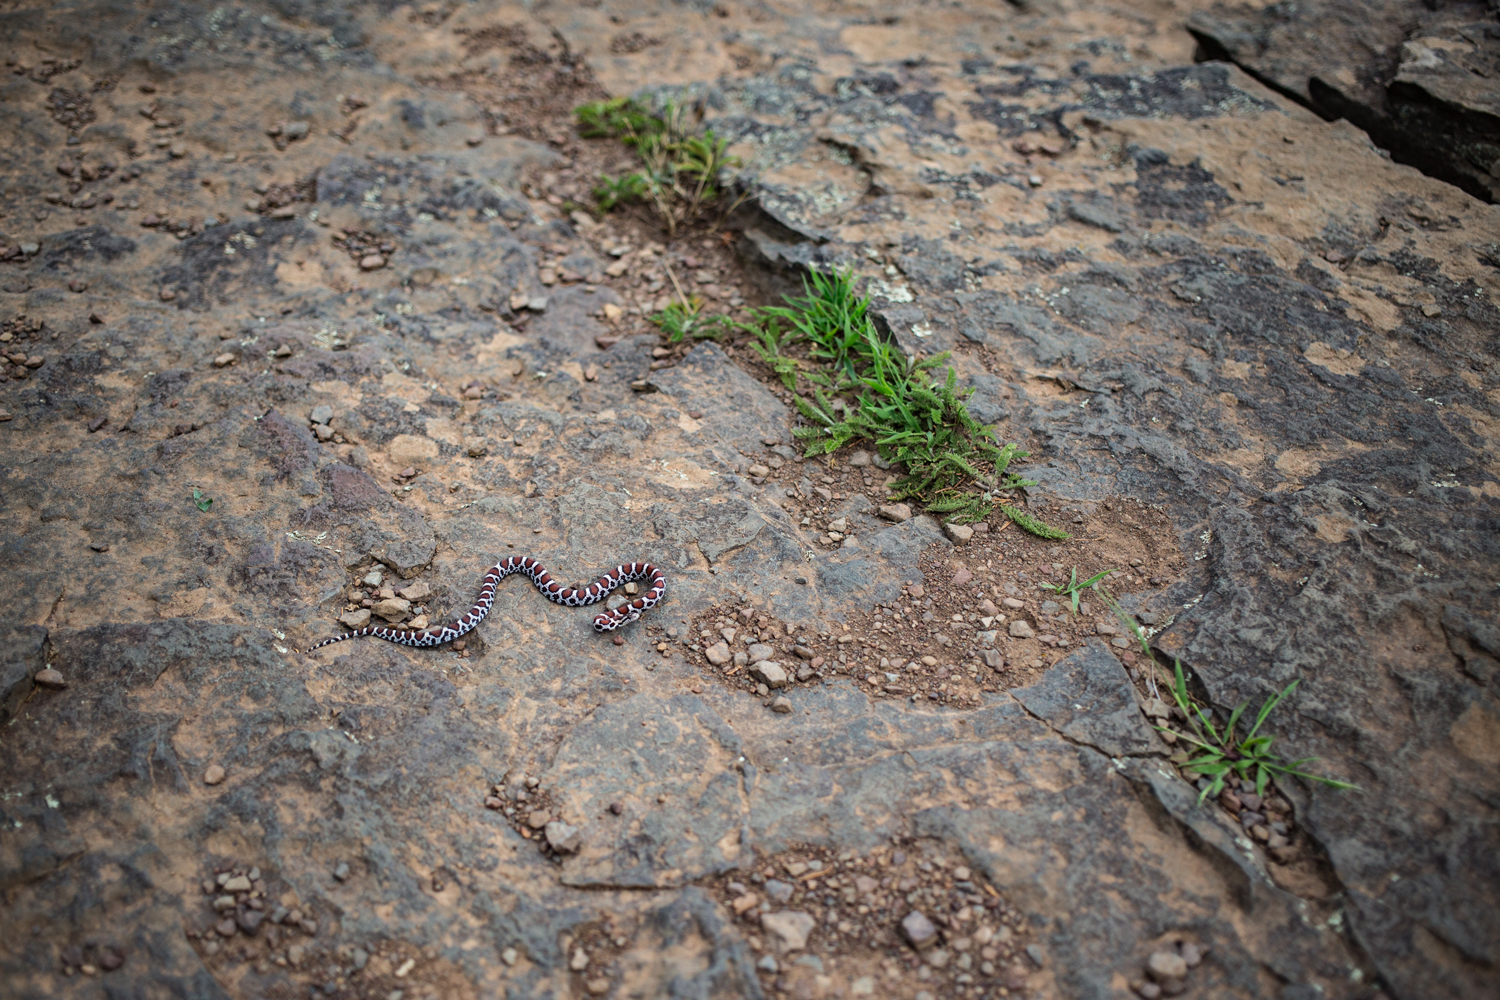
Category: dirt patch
[899,918]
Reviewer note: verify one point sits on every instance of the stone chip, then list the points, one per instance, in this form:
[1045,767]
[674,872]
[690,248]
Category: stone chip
[789,928]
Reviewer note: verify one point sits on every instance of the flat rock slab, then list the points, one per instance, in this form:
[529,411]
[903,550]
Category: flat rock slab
[1087,697]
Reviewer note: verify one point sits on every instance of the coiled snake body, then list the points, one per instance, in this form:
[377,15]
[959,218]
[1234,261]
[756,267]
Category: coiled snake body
[605,621]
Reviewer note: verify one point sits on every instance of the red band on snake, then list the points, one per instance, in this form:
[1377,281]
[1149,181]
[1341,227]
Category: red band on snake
[606,621]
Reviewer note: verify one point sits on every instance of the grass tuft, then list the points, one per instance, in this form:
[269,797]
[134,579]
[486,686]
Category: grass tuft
[680,171]
[953,464]
[1221,754]
[685,318]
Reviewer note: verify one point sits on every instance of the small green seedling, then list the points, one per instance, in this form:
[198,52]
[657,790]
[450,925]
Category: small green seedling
[685,319]
[1072,589]
[620,191]
[681,171]
[1221,754]
[200,501]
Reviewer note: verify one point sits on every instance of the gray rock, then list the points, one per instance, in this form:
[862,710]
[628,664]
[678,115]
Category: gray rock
[22,656]
[392,609]
[1100,213]
[770,673]
[718,654]
[788,928]
[1088,698]
[1419,112]
[1020,629]
[760,651]
[919,930]
[355,619]
[563,837]
[322,414]
[1165,965]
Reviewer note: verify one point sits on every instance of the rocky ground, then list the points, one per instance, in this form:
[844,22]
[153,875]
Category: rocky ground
[303,327]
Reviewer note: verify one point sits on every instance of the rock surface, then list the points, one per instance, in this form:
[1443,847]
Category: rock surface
[1423,82]
[1172,283]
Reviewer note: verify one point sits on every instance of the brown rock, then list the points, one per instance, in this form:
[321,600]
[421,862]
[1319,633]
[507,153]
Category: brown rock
[213,774]
[50,678]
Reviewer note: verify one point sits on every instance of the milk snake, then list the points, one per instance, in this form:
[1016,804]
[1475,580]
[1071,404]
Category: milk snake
[605,621]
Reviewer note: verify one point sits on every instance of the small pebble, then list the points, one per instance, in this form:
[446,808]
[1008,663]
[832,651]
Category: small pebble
[919,930]
[213,774]
[1164,965]
[49,678]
